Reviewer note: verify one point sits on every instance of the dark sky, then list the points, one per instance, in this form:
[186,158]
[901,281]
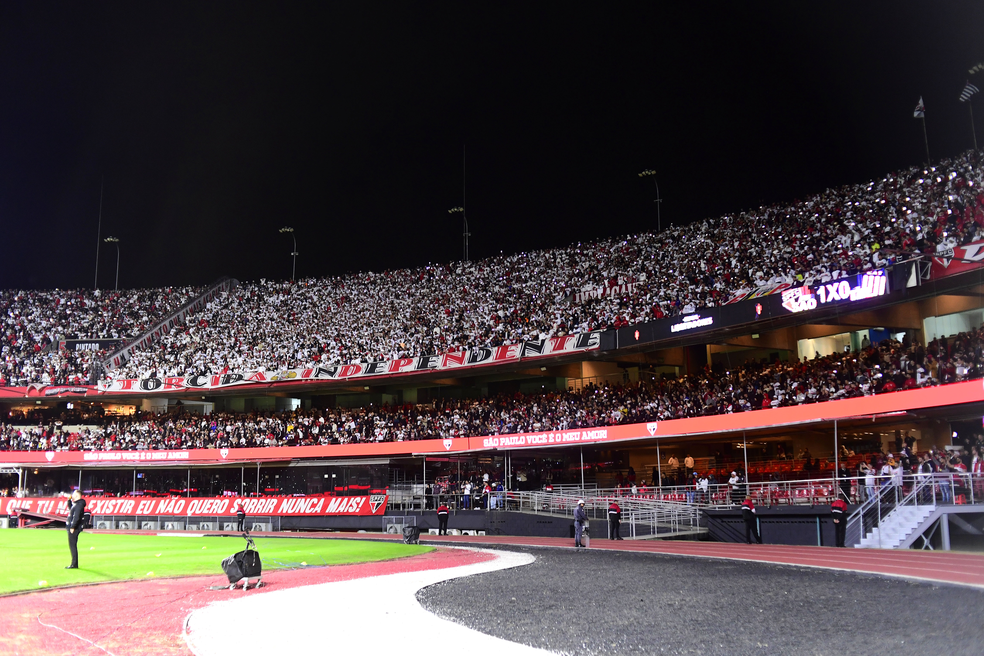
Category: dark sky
[214,124]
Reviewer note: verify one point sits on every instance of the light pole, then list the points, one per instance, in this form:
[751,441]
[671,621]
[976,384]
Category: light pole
[114,240]
[649,173]
[465,234]
[99,226]
[293,270]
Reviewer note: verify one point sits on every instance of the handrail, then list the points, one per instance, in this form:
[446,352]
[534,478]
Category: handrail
[871,513]
[119,357]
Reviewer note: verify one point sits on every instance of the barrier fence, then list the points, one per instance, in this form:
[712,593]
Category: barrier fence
[953,487]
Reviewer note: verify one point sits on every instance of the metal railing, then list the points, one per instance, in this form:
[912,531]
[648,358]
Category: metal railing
[952,487]
[641,517]
[915,490]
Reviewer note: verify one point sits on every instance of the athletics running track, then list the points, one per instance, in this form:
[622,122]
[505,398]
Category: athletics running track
[161,617]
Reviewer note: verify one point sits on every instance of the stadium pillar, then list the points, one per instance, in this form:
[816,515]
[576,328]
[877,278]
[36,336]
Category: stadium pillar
[836,460]
[80,479]
[744,447]
[582,469]
[659,470]
[187,488]
[257,479]
[20,485]
[242,481]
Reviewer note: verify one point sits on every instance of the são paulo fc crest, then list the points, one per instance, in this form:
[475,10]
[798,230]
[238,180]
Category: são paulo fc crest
[49,455]
[223,453]
[447,444]
[651,427]
[375,501]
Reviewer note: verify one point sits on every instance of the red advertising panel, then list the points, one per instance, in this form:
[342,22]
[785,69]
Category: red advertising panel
[306,506]
[957,260]
[971,391]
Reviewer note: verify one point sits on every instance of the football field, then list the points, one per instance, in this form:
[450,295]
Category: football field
[36,559]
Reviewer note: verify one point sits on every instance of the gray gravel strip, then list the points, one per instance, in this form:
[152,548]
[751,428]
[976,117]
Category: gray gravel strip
[596,602]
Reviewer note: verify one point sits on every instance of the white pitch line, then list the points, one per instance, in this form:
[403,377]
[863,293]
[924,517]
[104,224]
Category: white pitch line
[346,617]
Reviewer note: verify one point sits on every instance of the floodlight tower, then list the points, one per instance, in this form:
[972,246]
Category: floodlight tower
[649,173]
[294,253]
[465,234]
[114,240]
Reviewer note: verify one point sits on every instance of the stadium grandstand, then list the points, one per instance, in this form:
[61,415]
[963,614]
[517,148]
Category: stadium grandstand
[783,352]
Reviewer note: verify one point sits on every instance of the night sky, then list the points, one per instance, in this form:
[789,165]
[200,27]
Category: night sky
[214,124]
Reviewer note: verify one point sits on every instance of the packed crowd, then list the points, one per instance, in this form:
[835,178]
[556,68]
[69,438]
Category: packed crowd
[32,323]
[446,307]
[881,368]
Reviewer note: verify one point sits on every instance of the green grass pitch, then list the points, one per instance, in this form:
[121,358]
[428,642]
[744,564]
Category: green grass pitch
[36,558]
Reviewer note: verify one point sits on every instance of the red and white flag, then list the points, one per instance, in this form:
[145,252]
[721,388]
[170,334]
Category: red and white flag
[920,111]
[967,92]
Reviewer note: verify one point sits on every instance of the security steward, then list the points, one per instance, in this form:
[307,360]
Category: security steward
[751,526]
[442,519]
[838,512]
[580,519]
[614,520]
[75,523]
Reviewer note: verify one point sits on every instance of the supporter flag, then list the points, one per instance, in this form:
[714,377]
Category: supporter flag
[967,92]
[920,111]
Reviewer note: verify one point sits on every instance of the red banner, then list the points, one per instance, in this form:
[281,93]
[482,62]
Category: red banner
[971,256]
[308,506]
[971,391]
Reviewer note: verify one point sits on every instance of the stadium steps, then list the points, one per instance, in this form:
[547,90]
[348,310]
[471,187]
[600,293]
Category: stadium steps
[898,525]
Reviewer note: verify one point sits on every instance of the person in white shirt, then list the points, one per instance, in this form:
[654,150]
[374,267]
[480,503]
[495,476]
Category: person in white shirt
[870,483]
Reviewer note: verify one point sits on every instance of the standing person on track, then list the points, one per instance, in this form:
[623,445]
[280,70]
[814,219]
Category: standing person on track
[75,525]
[751,525]
[442,519]
[580,519]
[838,512]
[240,517]
[614,520]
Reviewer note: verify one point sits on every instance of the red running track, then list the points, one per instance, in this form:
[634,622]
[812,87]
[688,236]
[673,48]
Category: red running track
[147,617]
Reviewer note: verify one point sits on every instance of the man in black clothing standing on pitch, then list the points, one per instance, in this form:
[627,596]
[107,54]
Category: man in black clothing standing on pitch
[240,517]
[75,523]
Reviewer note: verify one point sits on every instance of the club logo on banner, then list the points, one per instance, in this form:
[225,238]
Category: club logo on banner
[375,501]
[477,357]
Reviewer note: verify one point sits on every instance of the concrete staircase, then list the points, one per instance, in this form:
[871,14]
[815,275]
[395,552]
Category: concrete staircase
[896,526]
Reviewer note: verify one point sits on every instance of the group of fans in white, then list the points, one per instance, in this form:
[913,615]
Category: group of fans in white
[370,316]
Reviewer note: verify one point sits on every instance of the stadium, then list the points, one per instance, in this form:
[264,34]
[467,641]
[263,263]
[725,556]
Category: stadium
[769,415]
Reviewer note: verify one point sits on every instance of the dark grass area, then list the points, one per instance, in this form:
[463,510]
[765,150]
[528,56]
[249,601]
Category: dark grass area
[597,602]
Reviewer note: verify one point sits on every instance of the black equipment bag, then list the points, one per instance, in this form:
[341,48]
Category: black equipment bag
[245,564]
[411,535]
